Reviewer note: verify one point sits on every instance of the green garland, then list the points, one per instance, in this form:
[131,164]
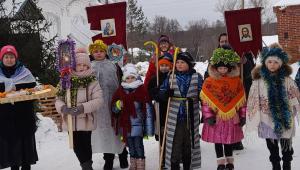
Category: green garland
[225,56]
[76,82]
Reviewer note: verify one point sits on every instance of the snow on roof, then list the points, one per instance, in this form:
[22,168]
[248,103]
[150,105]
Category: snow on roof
[287,3]
[268,40]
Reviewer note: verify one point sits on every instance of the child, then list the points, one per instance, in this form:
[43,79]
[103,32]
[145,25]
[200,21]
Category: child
[164,46]
[18,121]
[133,116]
[273,104]
[223,105]
[182,135]
[165,66]
[103,138]
[86,97]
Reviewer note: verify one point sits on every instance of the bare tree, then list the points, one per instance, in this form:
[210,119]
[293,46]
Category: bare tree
[267,9]
[227,5]
[196,32]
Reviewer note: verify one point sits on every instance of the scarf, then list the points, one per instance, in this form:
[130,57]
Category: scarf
[85,73]
[17,75]
[132,85]
[123,121]
[278,101]
[224,96]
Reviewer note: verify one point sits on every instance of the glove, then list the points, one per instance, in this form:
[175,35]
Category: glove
[119,105]
[77,110]
[170,92]
[242,121]
[65,110]
[211,121]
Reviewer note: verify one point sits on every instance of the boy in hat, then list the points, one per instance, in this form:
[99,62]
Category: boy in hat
[182,135]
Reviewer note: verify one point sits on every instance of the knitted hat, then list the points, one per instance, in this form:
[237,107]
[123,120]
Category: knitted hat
[167,59]
[163,38]
[97,45]
[82,57]
[224,57]
[274,52]
[187,57]
[8,49]
[129,70]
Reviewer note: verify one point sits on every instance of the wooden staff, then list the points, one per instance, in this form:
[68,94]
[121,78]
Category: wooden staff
[157,85]
[168,108]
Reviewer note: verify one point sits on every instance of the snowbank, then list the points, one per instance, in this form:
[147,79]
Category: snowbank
[268,40]
[287,3]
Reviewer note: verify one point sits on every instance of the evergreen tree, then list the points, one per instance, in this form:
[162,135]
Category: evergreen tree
[37,51]
[137,24]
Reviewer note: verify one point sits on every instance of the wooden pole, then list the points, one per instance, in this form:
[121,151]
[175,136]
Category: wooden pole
[168,109]
[70,120]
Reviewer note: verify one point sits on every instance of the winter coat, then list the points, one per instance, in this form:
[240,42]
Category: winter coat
[223,131]
[90,98]
[297,78]
[143,123]
[259,116]
[153,91]
[187,87]
[104,139]
[18,122]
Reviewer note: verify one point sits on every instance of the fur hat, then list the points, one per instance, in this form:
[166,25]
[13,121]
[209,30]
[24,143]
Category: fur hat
[8,49]
[129,70]
[187,57]
[97,45]
[274,52]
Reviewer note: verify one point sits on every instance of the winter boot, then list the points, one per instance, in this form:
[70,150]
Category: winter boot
[175,166]
[132,164]
[87,165]
[276,166]
[123,159]
[238,146]
[26,167]
[109,161]
[229,166]
[286,165]
[14,168]
[140,164]
[221,167]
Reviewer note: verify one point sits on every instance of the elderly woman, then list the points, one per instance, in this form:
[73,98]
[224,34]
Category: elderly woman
[18,120]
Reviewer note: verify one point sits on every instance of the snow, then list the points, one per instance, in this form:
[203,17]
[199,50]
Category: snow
[287,3]
[268,40]
[54,152]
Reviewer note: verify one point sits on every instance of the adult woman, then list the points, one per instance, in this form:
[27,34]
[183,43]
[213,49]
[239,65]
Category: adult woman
[18,120]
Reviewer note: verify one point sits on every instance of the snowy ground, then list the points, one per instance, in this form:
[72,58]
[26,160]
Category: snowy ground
[54,153]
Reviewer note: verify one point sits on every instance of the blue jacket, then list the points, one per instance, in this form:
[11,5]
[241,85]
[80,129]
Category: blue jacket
[140,125]
[183,80]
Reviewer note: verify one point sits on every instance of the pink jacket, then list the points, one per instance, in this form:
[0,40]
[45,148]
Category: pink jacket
[224,132]
[90,98]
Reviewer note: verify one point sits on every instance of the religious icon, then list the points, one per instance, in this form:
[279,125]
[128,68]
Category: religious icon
[108,27]
[245,32]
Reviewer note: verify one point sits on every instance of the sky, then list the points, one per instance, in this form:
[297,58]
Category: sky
[183,10]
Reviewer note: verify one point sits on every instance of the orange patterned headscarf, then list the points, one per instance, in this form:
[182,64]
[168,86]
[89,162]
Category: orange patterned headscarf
[224,96]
